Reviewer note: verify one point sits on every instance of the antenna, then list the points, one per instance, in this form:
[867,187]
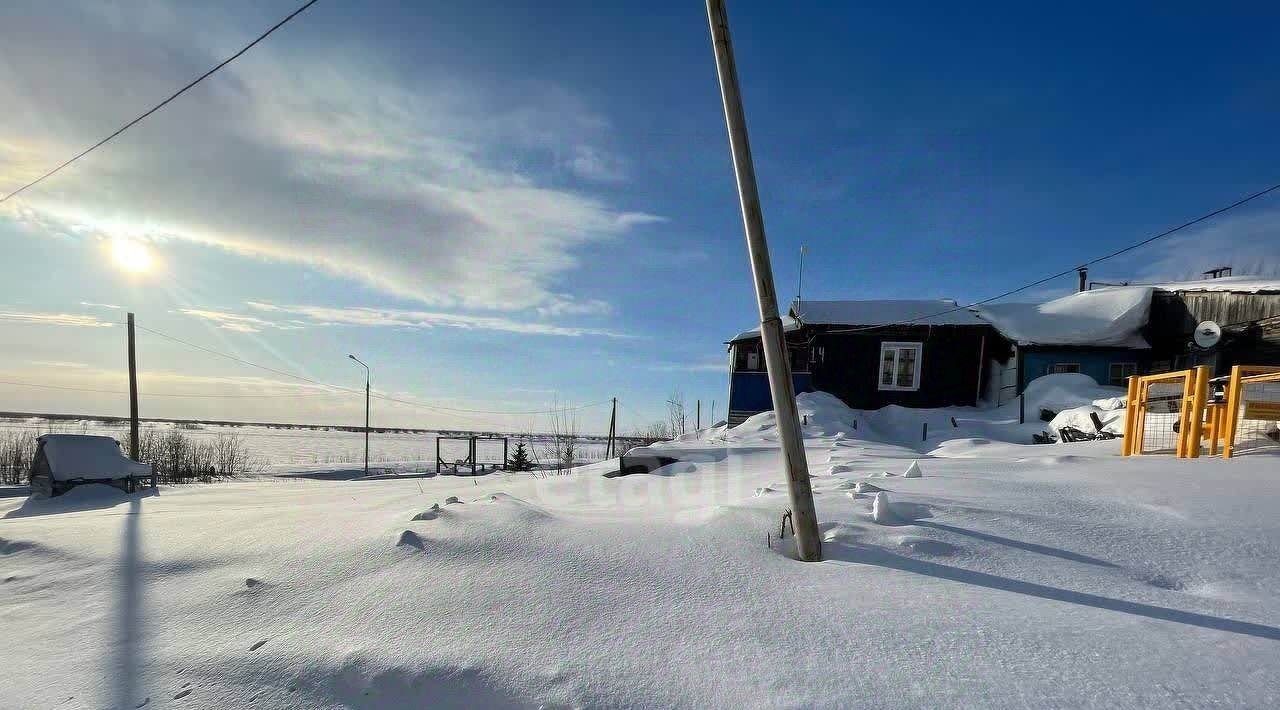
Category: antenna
[800,281]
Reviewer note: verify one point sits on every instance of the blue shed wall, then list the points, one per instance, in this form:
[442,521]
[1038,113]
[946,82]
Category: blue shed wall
[749,391]
[1094,363]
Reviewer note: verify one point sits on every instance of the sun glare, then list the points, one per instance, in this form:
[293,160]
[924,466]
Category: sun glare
[131,256]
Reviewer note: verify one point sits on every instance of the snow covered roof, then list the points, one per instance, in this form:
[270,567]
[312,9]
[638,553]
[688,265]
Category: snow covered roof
[1237,284]
[788,324]
[883,313]
[74,456]
[1105,317]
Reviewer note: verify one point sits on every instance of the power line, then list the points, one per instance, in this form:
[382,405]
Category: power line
[162,104]
[348,390]
[162,394]
[1060,274]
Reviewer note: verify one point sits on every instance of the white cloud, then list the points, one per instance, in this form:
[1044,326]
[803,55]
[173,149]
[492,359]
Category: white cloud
[561,304]
[704,365]
[589,163]
[69,319]
[400,318]
[418,185]
[237,322]
[108,306]
[61,364]
[1249,242]
[161,383]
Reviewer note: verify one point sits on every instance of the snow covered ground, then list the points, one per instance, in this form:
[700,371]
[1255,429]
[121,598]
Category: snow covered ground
[1005,575]
[279,449]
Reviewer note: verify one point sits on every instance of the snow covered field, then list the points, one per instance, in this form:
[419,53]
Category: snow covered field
[283,449]
[1006,575]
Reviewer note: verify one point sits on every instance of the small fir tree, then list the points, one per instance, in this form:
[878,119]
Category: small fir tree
[520,459]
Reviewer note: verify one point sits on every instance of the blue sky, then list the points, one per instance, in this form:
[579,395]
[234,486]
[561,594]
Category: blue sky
[501,205]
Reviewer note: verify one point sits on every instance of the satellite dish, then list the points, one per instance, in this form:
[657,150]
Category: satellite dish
[1208,334]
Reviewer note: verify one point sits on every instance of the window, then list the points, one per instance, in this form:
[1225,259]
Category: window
[753,361]
[1060,367]
[900,366]
[1120,372]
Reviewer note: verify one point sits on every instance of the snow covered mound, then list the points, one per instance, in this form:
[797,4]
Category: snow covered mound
[1069,390]
[822,413]
[1078,417]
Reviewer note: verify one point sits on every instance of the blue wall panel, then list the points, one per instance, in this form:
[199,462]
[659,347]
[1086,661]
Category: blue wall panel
[1095,363]
[749,391]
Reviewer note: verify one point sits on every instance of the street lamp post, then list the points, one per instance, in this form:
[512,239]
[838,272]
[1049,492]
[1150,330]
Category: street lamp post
[366,412]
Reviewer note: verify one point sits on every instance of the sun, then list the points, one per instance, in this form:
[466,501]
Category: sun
[131,256]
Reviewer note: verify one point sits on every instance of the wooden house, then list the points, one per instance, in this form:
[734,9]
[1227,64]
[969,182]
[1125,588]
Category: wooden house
[934,353]
[914,353]
[1096,333]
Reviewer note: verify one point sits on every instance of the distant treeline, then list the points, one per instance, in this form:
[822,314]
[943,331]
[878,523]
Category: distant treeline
[107,419]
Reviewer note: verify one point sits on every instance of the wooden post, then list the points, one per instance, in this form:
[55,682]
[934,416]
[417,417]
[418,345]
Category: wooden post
[133,395]
[366,422]
[781,386]
[612,448]
[1130,417]
[697,426]
[1022,409]
[1198,401]
[924,431]
[1232,416]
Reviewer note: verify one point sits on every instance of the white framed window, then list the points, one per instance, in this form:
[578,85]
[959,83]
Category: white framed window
[1059,368]
[753,361]
[900,366]
[1119,373]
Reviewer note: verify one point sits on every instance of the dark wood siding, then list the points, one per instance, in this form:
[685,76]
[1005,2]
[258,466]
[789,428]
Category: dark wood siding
[950,371]
[1174,317]
[1177,314]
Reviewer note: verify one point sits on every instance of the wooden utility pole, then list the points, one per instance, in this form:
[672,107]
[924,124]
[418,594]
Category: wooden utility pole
[612,448]
[133,395]
[782,389]
[366,425]
[698,417]
[366,411]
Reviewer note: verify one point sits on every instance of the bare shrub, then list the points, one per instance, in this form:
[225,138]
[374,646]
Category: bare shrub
[651,434]
[561,449]
[181,458]
[17,448]
[676,418]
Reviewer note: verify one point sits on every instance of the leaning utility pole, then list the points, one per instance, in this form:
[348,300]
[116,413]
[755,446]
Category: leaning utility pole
[133,395]
[611,449]
[808,543]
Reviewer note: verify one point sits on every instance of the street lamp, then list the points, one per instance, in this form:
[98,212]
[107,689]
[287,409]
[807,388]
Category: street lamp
[366,412]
